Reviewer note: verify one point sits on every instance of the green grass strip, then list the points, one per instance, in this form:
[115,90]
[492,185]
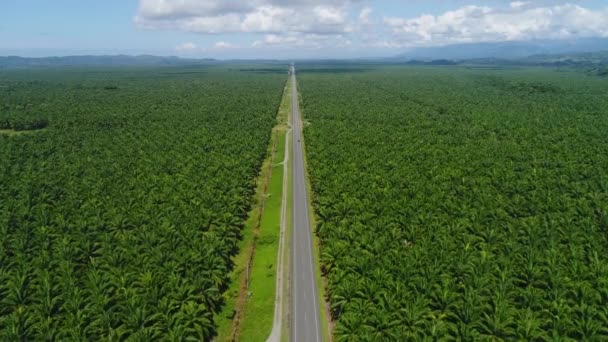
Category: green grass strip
[259,309]
[257,319]
[257,313]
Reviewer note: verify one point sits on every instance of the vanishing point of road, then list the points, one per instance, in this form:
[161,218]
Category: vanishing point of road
[305,319]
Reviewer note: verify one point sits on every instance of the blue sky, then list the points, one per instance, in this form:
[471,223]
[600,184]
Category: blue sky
[283,28]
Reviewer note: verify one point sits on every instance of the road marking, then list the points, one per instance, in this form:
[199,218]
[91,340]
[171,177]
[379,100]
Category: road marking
[302,235]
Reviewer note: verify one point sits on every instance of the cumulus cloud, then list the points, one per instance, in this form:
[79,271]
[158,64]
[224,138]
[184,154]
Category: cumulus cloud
[354,23]
[520,21]
[189,48]
[364,15]
[223,45]
[186,47]
[253,16]
[302,40]
[275,39]
[519,4]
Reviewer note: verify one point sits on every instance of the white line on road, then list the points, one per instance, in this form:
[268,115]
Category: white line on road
[303,252]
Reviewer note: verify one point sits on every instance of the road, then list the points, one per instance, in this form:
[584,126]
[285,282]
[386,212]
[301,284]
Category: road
[305,318]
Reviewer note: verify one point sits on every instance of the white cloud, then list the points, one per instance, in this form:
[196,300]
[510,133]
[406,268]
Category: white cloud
[521,21]
[364,15]
[218,24]
[172,9]
[519,4]
[223,45]
[334,24]
[275,39]
[254,16]
[308,41]
[267,19]
[186,47]
[327,15]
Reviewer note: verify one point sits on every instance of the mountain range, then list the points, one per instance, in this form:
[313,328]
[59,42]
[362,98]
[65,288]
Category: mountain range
[586,51]
[115,60]
[506,50]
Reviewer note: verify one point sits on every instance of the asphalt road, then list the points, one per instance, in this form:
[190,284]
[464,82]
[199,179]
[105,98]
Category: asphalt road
[305,318]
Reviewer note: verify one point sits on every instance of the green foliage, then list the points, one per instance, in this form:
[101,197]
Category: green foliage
[454,208]
[119,221]
[602,72]
[22,122]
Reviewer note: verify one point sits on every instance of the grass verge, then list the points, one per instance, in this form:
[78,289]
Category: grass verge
[11,132]
[225,320]
[258,312]
[249,310]
[287,259]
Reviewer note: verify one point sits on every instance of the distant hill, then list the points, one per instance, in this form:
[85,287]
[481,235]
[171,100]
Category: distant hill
[506,50]
[585,58]
[548,53]
[117,60]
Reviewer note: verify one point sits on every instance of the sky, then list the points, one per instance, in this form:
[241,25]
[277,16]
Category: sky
[229,29]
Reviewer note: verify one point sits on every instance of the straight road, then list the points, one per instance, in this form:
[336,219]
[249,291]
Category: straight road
[305,318]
